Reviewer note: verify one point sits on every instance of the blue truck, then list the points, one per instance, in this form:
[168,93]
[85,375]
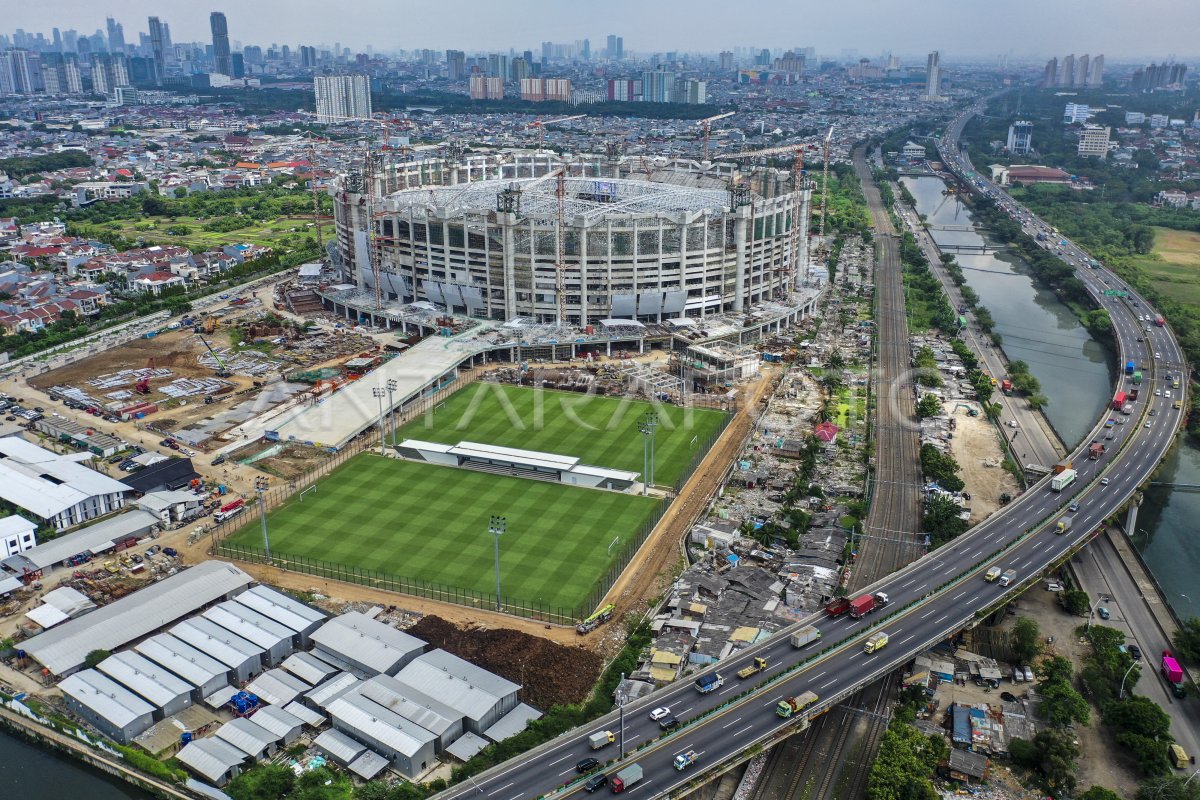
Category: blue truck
[706,683]
[1130,367]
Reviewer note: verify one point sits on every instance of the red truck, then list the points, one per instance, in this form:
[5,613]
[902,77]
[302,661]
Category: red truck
[1170,668]
[1118,401]
[1160,322]
[1006,386]
[862,605]
[835,608]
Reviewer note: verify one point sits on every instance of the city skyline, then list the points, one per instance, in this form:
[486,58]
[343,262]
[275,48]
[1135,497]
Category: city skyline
[1022,28]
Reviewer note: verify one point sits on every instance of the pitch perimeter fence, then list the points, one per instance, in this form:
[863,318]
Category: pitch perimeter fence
[431,590]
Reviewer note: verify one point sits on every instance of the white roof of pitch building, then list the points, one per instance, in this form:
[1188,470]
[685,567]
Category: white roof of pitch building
[243,734]
[93,539]
[277,721]
[71,602]
[105,697]
[357,637]
[187,662]
[210,758]
[64,648]
[368,765]
[466,746]
[430,714]
[211,638]
[309,668]
[250,625]
[463,686]
[332,689]
[304,714]
[377,723]
[512,723]
[47,483]
[277,687]
[281,608]
[144,677]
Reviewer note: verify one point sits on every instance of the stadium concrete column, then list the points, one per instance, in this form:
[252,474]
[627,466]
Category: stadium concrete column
[739,241]
[507,220]
[583,287]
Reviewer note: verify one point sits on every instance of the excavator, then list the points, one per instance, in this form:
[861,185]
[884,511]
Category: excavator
[143,384]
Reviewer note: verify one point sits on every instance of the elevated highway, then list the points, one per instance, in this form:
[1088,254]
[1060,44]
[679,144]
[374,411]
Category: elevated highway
[931,599]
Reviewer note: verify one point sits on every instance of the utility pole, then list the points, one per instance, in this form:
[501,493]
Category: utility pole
[260,486]
[647,425]
[379,392]
[496,527]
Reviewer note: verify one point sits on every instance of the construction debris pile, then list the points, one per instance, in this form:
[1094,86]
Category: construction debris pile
[243,362]
[128,376]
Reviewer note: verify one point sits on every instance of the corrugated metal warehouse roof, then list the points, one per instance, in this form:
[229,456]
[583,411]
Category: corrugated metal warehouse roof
[93,539]
[281,608]
[376,722]
[388,692]
[466,746]
[338,746]
[468,689]
[305,714]
[152,681]
[277,721]
[63,649]
[368,765]
[211,638]
[187,662]
[47,483]
[210,758]
[105,697]
[331,689]
[251,739]
[309,668]
[512,723]
[362,640]
[277,687]
[250,625]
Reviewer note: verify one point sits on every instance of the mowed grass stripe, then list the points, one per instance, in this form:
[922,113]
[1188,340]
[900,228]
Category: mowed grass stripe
[601,431]
[430,523]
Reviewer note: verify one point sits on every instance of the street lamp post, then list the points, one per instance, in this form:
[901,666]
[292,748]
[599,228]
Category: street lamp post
[647,426]
[496,527]
[391,387]
[621,705]
[379,392]
[260,486]
[1121,695]
[1092,611]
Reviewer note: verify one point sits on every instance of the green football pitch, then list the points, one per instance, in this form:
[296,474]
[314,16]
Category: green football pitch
[599,431]
[430,523]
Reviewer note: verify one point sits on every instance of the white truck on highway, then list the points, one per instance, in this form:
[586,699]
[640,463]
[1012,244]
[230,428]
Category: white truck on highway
[1008,577]
[806,635]
[601,739]
[1062,480]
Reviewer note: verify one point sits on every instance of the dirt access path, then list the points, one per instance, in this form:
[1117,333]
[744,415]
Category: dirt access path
[642,579]
[976,448]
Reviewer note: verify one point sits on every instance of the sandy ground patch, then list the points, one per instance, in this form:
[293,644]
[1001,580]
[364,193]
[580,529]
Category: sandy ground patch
[975,446]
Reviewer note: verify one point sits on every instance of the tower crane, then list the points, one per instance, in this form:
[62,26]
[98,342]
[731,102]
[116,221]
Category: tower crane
[541,124]
[707,123]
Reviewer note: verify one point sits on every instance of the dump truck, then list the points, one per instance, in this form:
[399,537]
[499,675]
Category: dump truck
[1063,525]
[1008,577]
[758,666]
[706,683]
[1170,668]
[601,739]
[794,705]
[626,778]
[862,605]
[992,574]
[685,760]
[835,608]
[1062,480]
[876,641]
[806,635]
[1179,757]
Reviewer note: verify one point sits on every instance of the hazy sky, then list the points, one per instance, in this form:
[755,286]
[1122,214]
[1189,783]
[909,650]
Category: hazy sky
[959,28]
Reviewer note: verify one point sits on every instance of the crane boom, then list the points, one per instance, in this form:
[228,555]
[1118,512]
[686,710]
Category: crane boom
[707,123]
[222,370]
[541,124]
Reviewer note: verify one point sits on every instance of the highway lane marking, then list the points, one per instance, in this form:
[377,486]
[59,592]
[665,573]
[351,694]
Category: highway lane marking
[564,758]
[910,636]
[517,796]
[502,788]
[941,619]
[905,585]
[829,683]
[960,594]
[977,554]
[727,689]
[731,722]
[1027,563]
[743,730]
[927,613]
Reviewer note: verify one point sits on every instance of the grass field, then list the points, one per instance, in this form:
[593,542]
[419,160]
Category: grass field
[270,234]
[1174,265]
[600,431]
[431,523]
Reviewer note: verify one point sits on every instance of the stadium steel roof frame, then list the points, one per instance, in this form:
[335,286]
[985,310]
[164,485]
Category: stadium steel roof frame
[538,198]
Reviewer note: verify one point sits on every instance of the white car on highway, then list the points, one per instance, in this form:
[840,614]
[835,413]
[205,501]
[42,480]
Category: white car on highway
[660,713]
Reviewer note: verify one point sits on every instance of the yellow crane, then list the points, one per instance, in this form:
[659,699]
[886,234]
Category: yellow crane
[707,124]
[541,124]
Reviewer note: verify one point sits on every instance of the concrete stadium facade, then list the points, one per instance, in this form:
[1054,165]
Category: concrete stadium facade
[650,240]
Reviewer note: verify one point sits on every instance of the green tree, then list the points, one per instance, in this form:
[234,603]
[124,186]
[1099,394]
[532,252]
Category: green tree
[941,520]
[1076,602]
[1187,640]
[903,769]
[1025,639]
[1099,793]
[262,782]
[322,784]
[1169,787]
[1061,703]
[929,406]
[95,657]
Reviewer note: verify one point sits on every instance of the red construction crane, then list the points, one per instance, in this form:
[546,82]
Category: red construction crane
[143,384]
[541,124]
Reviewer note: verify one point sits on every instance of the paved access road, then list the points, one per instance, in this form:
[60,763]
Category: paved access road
[928,601]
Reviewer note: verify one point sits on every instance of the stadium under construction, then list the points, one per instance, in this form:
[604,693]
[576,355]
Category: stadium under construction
[576,241]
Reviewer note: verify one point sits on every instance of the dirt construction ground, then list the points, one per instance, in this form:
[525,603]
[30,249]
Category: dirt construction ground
[975,446]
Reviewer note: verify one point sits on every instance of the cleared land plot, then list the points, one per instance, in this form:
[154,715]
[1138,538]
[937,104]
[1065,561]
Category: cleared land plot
[270,233]
[1174,266]
[431,523]
[601,431]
